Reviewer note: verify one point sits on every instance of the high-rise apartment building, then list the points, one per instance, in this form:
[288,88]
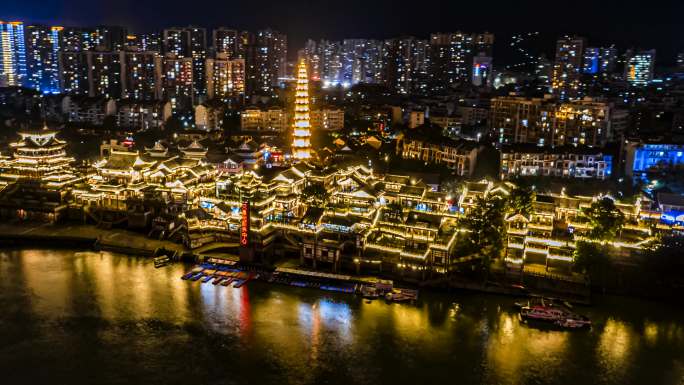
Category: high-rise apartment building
[225,41]
[566,76]
[332,64]
[265,60]
[639,66]
[198,51]
[176,42]
[451,57]
[104,38]
[401,64]
[177,85]
[151,42]
[116,74]
[145,42]
[77,39]
[405,65]
[73,73]
[142,74]
[517,119]
[225,77]
[599,61]
[245,38]
[105,74]
[313,59]
[548,122]
[43,44]
[12,54]
[109,38]
[189,42]
[482,70]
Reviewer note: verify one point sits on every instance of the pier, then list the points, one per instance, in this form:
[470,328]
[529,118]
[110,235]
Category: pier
[222,271]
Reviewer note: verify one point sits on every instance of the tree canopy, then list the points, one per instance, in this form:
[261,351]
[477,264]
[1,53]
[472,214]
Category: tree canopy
[605,219]
[315,194]
[486,223]
[520,201]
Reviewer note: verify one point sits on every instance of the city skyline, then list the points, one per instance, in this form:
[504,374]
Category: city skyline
[603,24]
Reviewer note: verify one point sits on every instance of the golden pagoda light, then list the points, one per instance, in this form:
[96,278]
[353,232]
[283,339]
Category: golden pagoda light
[301,143]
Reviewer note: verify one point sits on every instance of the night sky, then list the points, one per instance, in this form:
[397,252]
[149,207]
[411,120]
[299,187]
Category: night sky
[645,24]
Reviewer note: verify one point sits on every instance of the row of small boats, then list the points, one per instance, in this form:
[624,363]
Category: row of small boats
[219,277]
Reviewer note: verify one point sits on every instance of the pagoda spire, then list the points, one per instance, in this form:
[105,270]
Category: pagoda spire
[301,143]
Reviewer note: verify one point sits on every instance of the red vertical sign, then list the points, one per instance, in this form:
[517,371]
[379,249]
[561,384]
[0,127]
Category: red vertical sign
[244,228]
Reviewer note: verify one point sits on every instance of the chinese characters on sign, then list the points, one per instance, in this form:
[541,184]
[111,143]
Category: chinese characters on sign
[244,226]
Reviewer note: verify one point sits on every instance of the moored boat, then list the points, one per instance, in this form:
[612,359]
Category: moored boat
[542,313]
[161,261]
[188,275]
[574,321]
[558,315]
[401,295]
[369,292]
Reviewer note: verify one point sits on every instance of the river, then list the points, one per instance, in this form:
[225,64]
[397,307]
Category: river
[72,317]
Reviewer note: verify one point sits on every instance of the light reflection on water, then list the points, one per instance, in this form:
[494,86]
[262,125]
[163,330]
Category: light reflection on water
[131,322]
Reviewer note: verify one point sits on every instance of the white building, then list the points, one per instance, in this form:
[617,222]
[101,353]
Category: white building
[209,116]
[83,109]
[570,162]
[143,115]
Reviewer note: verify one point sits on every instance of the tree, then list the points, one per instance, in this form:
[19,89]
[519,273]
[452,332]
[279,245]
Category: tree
[593,260]
[486,224]
[605,219]
[315,194]
[520,201]
[453,187]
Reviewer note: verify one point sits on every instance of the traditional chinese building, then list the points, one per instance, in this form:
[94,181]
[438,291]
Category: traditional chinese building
[37,177]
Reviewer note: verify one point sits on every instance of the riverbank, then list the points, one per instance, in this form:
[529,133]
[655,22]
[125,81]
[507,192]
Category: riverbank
[65,235]
[70,235]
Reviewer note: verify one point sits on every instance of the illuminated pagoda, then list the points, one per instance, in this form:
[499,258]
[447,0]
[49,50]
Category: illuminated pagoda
[36,181]
[40,155]
[301,144]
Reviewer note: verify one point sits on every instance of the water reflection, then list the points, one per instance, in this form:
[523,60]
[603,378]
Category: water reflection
[83,307]
[615,347]
[519,351]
